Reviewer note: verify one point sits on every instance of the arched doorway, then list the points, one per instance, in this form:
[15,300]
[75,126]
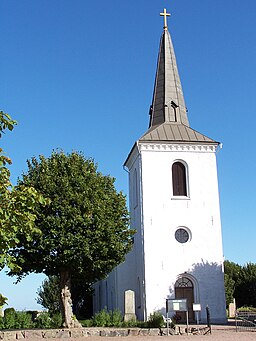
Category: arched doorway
[184,288]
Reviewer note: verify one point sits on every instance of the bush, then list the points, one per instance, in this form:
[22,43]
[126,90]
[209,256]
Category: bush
[131,323]
[108,319]
[56,320]
[44,320]
[116,318]
[8,311]
[1,323]
[9,318]
[23,320]
[33,314]
[155,320]
[102,319]
[141,324]
[86,323]
[16,319]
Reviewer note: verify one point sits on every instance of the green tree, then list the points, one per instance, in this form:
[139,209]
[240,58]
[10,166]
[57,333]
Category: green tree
[17,206]
[233,270]
[85,229]
[229,288]
[49,294]
[245,290]
[240,283]
[232,275]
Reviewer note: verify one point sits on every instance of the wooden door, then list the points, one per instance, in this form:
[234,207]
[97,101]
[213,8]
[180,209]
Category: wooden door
[184,289]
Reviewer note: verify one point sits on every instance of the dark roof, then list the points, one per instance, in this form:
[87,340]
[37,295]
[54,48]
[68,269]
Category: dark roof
[174,132]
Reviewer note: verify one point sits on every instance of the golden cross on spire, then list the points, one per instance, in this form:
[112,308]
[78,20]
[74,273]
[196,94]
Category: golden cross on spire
[165,14]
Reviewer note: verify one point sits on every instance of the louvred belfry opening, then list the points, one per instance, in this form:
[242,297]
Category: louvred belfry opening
[179,183]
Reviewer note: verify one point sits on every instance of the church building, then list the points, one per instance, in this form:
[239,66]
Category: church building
[174,207]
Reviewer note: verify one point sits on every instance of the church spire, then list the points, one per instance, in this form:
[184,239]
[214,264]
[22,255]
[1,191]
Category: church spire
[168,113]
[168,105]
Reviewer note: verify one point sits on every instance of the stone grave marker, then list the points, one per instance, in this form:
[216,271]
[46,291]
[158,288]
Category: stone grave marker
[129,305]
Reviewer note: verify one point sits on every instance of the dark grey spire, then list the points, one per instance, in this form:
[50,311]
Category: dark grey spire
[168,114]
[168,101]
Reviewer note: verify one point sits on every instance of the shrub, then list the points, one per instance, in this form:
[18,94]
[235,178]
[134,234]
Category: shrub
[142,324]
[1,322]
[131,323]
[155,320]
[9,318]
[102,319]
[23,320]
[9,311]
[45,320]
[33,314]
[56,320]
[86,323]
[116,318]
[107,319]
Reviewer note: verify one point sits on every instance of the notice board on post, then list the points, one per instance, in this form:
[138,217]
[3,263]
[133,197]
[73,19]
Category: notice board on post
[176,305]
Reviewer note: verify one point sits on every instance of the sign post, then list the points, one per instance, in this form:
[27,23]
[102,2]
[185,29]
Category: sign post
[176,305]
[196,309]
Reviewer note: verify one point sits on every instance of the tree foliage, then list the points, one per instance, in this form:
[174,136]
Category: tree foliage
[17,205]
[245,290]
[229,288]
[49,294]
[3,301]
[240,283]
[49,297]
[85,229]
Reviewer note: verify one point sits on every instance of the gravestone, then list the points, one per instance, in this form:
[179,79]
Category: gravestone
[129,305]
[232,309]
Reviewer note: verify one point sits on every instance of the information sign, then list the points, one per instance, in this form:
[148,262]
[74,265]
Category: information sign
[176,305]
[196,307]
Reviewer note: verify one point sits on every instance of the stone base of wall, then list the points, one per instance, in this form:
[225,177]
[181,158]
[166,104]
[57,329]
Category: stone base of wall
[37,334]
[75,333]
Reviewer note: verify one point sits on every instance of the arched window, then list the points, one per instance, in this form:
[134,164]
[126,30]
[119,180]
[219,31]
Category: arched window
[179,182]
[183,282]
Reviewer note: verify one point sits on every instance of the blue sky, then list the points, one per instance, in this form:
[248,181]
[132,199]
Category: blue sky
[79,75]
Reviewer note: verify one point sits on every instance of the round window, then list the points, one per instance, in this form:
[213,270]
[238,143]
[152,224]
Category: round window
[182,235]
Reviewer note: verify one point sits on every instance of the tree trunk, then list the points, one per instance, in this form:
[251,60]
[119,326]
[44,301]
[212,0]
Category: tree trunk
[69,320]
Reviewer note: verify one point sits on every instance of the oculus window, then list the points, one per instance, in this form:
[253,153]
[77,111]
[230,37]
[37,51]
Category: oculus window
[182,235]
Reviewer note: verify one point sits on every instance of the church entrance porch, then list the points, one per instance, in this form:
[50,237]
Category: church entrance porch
[184,288]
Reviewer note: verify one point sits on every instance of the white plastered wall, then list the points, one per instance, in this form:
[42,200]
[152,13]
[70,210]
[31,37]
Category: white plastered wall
[165,258]
[157,260]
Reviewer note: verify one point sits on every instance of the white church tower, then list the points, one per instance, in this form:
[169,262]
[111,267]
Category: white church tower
[174,206]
